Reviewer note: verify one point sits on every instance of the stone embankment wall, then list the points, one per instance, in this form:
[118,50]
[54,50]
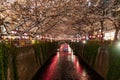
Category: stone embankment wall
[26,64]
[102,57]
[22,63]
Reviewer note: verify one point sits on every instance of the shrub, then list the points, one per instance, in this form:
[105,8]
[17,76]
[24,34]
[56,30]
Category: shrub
[114,64]
[90,51]
[4,53]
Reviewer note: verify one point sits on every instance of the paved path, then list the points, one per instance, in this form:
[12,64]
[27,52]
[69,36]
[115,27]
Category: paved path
[66,66]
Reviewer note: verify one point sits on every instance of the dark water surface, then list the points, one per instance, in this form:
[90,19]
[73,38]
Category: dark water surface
[66,66]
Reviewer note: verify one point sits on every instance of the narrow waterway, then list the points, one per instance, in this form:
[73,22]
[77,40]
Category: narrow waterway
[66,66]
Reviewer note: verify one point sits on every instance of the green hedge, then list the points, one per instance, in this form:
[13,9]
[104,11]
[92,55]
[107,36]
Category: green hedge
[14,62]
[90,51]
[114,62]
[42,51]
[4,53]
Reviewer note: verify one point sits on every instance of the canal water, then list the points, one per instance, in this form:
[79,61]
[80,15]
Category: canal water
[66,66]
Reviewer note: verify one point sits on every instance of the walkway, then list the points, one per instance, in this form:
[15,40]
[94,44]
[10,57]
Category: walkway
[66,66]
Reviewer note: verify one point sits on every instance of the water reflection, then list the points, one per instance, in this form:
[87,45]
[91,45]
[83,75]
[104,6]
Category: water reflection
[65,66]
[49,72]
[64,62]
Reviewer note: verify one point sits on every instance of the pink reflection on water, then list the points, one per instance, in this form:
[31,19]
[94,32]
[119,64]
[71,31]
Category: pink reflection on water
[80,70]
[77,66]
[50,69]
[62,57]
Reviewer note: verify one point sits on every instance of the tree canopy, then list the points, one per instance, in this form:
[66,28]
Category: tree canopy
[44,16]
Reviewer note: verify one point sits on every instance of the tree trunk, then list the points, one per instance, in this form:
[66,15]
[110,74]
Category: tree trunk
[102,29]
[116,34]
[102,26]
[0,30]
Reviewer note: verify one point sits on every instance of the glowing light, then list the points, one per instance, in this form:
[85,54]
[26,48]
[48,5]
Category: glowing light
[9,37]
[73,57]
[58,54]
[12,37]
[58,50]
[84,73]
[109,35]
[89,3]
[33,41]
[100,30]
[13,32]
[87,0]
[83,37]
[69,58]
[93,36]
[25,33]
[118,44]
[90,36]
[37,36]
[69,48]
[84,42]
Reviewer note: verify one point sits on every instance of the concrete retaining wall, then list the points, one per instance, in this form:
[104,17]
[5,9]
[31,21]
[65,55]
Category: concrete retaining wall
[25,63]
